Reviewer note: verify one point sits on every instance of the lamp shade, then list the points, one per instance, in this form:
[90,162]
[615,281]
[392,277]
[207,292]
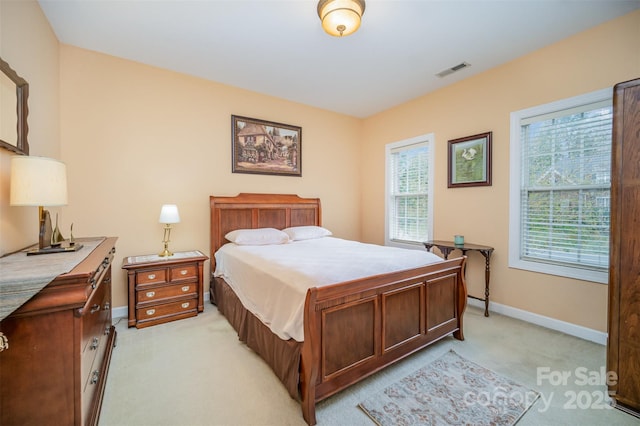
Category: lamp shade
[340,17]
[169,214]
[37,181]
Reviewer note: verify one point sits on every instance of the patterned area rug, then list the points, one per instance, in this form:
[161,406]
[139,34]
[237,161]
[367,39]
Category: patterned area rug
[451,391]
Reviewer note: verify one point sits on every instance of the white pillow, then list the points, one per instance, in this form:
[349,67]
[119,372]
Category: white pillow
[298,233]
[257,237]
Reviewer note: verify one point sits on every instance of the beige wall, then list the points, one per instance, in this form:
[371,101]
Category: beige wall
[592,60]
[135,137]
[30,47]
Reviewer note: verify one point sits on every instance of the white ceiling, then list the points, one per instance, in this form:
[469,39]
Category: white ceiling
[278,47]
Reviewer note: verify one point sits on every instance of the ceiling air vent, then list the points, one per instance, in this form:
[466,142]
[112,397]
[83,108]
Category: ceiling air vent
[453,69]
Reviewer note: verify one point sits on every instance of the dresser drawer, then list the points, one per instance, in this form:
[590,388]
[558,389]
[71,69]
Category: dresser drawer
[182,308]
[184,272]
[96,317]
[159,294]
[153,276]
[96,327]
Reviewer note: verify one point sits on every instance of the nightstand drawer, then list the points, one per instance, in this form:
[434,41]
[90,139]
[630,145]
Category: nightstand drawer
[184,272]
[153,276]
[167,292]
[167,309]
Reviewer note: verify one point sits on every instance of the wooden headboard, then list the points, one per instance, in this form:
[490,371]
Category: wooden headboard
[249,211]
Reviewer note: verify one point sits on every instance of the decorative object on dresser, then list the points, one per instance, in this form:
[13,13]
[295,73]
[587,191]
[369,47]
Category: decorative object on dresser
[41,181]
[623,343]
[60,341]
[14,90]
[163,289]
[168,215]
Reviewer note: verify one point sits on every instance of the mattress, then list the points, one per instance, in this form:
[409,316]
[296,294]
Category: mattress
[271,281]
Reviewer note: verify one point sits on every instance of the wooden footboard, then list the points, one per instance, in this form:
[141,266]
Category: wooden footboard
[357,328]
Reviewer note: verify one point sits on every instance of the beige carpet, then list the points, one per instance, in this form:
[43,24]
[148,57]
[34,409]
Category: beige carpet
[196,372]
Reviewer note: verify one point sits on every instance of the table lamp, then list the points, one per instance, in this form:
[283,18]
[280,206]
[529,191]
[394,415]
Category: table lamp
[168,215]
[42,182]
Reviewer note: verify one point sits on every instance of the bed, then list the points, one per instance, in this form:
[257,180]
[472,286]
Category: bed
[351,329]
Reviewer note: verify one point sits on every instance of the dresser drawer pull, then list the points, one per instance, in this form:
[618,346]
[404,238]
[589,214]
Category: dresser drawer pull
[107,330]
[94,343]
[4,342]
[151,276]
[183,272]
[185,288]
[185,305]
[95,308]
[94,377]
[151,311]
[107,306]
[151,293]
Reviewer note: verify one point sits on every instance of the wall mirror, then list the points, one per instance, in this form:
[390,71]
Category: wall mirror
[14,91]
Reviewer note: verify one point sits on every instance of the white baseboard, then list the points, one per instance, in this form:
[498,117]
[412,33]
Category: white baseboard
[547,322]
[123,311]
[119,312]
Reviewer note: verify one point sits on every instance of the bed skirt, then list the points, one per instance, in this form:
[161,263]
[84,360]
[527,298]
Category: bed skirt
[283,356]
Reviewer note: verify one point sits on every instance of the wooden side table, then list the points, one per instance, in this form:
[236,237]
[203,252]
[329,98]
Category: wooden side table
[163,289]
[446,247]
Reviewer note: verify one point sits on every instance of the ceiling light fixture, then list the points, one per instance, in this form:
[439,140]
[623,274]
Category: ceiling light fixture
[340,17]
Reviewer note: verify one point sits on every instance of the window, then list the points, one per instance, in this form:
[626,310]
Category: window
[409,192]
[560,187]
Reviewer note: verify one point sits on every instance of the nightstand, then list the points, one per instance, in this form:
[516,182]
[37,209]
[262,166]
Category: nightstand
[163,289]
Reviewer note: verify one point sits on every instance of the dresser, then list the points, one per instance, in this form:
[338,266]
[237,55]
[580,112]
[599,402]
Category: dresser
[163,289]
[60,341]
[623,343]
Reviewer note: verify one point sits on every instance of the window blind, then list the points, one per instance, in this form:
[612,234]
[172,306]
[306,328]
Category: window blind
[565,186]
[409,193]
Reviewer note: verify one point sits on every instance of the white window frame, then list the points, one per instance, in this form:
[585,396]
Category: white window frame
[428,140]
[515,183]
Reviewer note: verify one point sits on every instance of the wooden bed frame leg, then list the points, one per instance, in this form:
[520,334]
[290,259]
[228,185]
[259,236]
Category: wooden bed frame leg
[309,412]
[462,300]
[310,360]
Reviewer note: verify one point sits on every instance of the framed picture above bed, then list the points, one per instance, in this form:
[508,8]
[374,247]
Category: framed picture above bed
[265,147]
[470,161]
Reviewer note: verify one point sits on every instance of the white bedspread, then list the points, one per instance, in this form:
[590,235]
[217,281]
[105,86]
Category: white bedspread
[272,280]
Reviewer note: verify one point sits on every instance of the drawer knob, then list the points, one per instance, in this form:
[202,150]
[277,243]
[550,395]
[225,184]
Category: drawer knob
[107,330]
[94,343]
[107,306]
[183,272]
[151,276]
[4,342]
[151,311]
[185,305]
[94,377]
[185,288]
[151,293]
[95,308]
